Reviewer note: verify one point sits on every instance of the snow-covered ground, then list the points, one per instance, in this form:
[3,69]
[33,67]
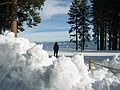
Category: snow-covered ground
[68,49]
[97,56]
[86,53]
[24,65]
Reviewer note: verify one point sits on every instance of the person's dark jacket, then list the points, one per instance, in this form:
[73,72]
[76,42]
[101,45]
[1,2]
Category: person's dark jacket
[56,47]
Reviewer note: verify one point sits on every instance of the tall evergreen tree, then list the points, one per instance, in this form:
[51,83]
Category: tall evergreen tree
[78,19]
[73,20]
[84,22]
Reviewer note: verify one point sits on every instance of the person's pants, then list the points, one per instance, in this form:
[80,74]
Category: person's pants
[56,54]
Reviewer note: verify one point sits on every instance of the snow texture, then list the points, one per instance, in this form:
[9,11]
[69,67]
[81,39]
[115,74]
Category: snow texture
[26,66]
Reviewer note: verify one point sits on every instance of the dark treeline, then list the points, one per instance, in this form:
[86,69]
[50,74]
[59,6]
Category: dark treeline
[106,21]
[104,15]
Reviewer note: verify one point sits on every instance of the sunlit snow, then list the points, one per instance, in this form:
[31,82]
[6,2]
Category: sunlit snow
[26,66]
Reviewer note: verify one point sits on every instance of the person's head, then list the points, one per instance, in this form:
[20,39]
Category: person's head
[55,42]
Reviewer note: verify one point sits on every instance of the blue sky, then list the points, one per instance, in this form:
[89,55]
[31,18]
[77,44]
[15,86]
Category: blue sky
[53,26]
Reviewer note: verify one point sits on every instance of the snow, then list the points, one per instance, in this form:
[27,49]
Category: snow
[86,53]
[24,65]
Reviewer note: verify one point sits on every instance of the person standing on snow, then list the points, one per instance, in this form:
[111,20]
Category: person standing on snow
[56,48]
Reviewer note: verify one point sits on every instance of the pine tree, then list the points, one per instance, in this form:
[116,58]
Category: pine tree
[84,22]
[78,19]
[73,20]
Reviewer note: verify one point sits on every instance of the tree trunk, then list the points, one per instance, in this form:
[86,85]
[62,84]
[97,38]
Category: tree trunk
[83,40]
[76,39]
[119,32]
[97,36]
[110,38]
[119,38]
[101,37]
[115,30]
[14,17]
[105,36]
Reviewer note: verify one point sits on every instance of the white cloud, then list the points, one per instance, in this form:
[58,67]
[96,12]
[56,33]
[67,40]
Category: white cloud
[51,8]
[47,36]
[54,7]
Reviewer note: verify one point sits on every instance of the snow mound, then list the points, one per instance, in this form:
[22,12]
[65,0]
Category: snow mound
[105,78]
[26,66]
[114,63]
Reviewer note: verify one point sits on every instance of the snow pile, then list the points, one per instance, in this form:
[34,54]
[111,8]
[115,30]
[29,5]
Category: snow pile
[107,79]
[114,63]
[19,59]
[26,66]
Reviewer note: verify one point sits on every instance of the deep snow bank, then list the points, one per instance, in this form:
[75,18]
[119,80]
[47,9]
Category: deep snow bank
[104,78]
[26,66]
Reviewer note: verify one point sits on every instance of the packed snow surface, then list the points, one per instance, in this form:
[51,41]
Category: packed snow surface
[26,66]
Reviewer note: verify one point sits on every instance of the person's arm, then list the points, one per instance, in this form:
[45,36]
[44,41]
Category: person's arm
[54,47]
[58,47]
